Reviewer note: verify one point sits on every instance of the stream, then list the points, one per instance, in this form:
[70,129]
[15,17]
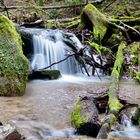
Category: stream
[45,109]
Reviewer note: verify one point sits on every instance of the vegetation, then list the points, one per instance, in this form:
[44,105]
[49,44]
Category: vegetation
[109,30]
[76,117]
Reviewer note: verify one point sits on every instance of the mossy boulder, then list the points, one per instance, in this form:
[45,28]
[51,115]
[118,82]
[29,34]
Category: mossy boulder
[84,117]
[92,18]
[14,66]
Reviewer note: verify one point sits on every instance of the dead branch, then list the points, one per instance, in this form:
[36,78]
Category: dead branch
[58,62]
[129,27]
[46,8]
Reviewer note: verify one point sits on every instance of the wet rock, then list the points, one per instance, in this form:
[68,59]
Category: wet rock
[85,117]
[99,93]
[100,98]
[45,74]
[8,132]
[136,116]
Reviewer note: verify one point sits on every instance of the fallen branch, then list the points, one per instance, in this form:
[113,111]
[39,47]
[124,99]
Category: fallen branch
[45,8]
[129,27]
[58,62]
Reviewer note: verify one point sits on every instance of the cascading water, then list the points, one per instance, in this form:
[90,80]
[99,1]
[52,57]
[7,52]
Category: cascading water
[127,129]
[49,47]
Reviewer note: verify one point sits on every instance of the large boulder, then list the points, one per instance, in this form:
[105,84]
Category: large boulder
[14,66]
[84,117]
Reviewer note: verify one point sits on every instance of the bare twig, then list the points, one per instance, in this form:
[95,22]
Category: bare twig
[129,27]
[58,62]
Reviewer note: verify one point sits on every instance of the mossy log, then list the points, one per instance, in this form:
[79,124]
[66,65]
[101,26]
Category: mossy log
[94,20]
[114,105]
[129,21]
[84,117]
[103,26]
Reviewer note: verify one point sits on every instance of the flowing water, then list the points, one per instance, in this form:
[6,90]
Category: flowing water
[129,131]
[45,109]
[129,91]
[52,46]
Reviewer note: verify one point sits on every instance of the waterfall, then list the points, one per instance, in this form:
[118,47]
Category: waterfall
[49,47]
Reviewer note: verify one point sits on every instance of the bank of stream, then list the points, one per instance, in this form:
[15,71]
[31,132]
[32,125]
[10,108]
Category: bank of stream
[45,109]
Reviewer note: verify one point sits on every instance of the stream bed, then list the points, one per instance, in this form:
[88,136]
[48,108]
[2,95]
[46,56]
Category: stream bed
[45,109]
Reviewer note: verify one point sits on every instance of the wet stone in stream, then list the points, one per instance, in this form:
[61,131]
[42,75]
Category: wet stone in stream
[33,129]
[9,132]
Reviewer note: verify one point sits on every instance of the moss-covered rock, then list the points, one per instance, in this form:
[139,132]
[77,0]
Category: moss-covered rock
[84,118]
[92,18]
[106,126]
[14,67]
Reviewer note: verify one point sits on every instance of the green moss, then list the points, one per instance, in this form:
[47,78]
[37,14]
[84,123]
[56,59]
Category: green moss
[6,26]
[119,60]
[41,2]
[99,48]
[137,77]
[98,20]
[76,118]
[72,24]
[50,24]
[134,47]
[116,38]
[81,26]
[14,66]
[114,103]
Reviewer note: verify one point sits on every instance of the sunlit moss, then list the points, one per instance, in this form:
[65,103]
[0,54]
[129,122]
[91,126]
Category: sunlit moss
[137,77]
[76,118]
[14,67]
[114,103]
[98,20]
